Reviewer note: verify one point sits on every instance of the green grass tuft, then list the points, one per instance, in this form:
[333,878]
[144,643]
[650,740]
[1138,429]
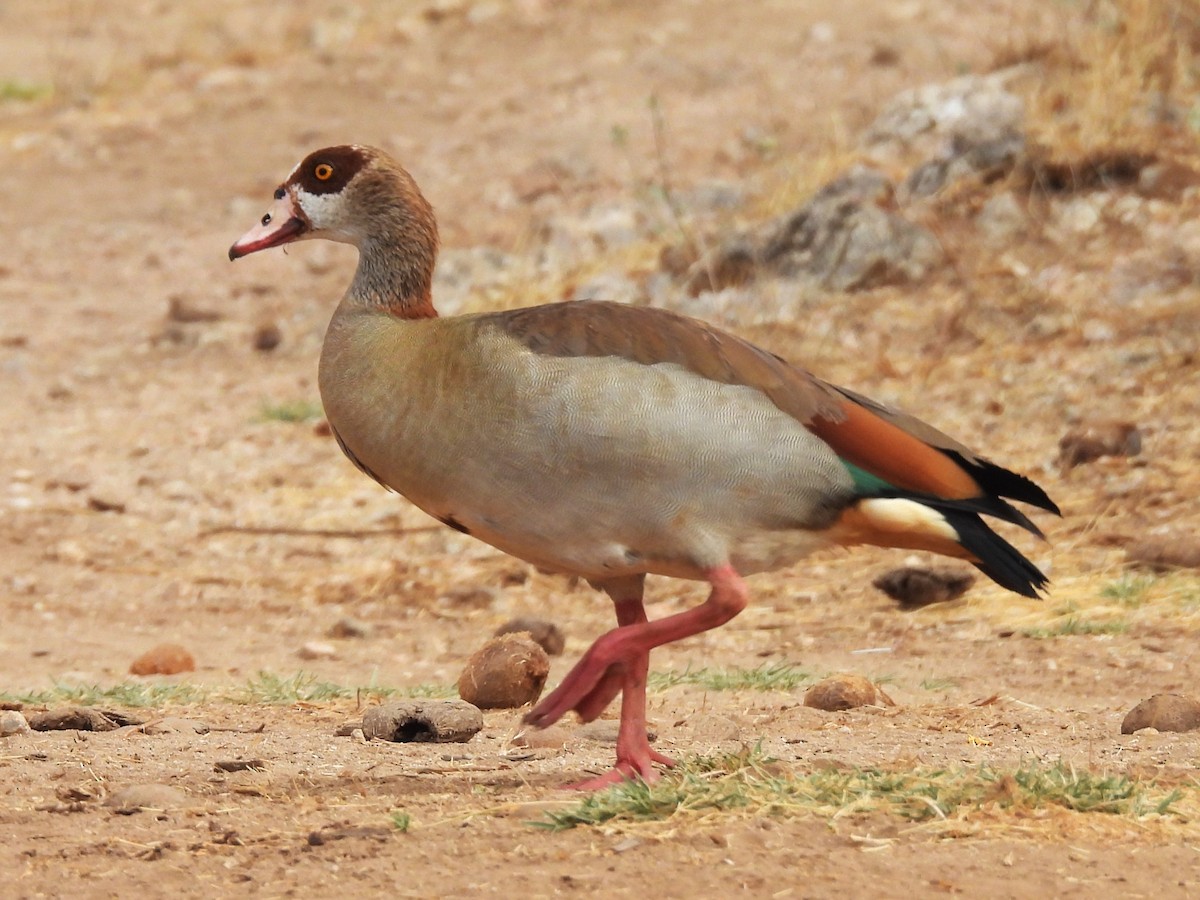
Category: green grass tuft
[401,821]
[767,677]
[263,688]
[23,91]
[750,782]
[293,411]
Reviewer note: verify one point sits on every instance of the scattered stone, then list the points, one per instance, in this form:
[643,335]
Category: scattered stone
[341,832]
[164,659]
[915,586]
[138,797]
[317,650]
[183,311]
[349,627]
[175,725]
[552,738]
[12,722]
[840,692]
[240,765]
[470,597]
[106,500]
[1092,441]
[1164,712]
[507,672]
[1173,550]
[423,721]
[347,729]
[848,237]
[267,337]
[971,111]
[546,633]
[81,718]
[1001,218]
[605,731]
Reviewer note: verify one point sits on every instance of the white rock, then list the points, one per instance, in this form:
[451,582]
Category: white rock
[12,722]
[317,650]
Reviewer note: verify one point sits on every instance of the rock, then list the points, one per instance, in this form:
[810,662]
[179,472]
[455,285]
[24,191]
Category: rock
[507,672]
[349,627]
[81,718]
[106,500]
[1163,552]
[317,650]
[914,586]
[847,239]
[1090,442]
[605,731]
[138,797]
[470,597]
[1164,712]
[547,634]
[163,659]
[267,337]
[552,738]
[971,111]
[422,721]
[181,310]
[840,692]
[12,722]
[1001,218]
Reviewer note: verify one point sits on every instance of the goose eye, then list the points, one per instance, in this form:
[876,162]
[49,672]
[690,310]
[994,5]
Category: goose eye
[323,171]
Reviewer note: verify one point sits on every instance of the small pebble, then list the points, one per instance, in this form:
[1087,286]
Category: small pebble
[507,672]
[317,650]
[348,627]
[137,797]
[12,722]
[1092,441]
[267,337]
[839,692]
[164,659]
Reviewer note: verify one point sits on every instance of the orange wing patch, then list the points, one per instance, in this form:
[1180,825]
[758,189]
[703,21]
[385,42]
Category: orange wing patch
[890,453]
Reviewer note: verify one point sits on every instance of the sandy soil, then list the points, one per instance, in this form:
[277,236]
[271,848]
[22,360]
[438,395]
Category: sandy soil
[146,497]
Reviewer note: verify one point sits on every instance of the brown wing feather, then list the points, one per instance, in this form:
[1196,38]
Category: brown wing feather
[892,445]
[649,336]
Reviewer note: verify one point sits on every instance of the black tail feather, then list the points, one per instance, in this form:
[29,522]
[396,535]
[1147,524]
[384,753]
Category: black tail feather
[996,558]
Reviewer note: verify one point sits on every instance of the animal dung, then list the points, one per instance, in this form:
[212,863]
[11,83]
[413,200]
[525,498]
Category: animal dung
[546,633]
[1163,552]
[507,672]
[1092,441]
[163,659]
[840,692]
[915,586]
[1164,712]
[422,722]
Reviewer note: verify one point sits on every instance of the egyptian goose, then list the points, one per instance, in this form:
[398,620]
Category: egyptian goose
[613,442]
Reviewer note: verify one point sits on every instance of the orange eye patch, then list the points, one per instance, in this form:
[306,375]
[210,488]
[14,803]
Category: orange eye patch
[323,171]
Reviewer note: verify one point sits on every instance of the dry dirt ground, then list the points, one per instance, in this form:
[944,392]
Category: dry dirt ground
[148,495]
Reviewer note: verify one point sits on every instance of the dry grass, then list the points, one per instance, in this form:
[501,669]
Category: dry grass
[1110,90]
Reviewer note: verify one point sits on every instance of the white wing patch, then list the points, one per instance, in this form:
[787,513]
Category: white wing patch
[897,514]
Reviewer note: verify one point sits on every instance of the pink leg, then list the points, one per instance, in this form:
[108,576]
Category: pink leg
[618,662]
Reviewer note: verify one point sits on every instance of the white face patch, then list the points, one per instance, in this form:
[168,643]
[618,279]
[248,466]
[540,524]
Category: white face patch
[327,214]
